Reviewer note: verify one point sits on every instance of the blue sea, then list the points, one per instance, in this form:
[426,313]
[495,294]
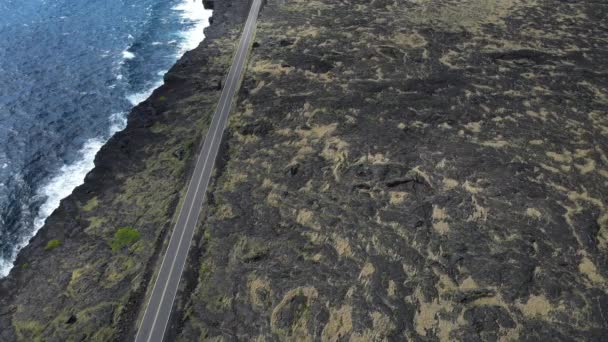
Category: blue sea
[70,71]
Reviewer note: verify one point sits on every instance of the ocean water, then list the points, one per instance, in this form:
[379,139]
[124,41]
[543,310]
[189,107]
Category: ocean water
[70,71]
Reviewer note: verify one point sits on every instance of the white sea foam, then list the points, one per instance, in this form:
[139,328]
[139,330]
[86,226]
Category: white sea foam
[72,175]
[137,98]
[69,177]
[194,14]
[118,122]
[58,187]
[128,54]
[6,264]
[61,185]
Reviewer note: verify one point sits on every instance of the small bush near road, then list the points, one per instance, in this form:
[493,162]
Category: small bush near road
[124,237]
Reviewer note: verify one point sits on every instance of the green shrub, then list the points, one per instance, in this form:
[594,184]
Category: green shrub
[123,237]
[52,245]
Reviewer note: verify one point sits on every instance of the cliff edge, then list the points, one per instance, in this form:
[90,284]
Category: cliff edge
[84,275]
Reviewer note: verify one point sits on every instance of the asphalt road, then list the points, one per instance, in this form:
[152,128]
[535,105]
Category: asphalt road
[158,308]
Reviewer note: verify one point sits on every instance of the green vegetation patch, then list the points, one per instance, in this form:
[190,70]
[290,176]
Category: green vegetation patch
[91,204]
[124,237]
[28,330]
[52,245]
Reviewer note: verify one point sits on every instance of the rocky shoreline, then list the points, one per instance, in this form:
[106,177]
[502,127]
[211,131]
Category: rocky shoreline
[69,284]
[429,170]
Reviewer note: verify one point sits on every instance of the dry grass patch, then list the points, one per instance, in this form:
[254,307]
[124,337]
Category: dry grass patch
[397,197]
[340,323]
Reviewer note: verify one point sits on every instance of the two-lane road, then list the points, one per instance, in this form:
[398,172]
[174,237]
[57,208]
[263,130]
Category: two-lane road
[158,308]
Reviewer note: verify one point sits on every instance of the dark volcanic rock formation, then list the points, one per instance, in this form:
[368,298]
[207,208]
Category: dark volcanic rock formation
[415,170]
[418,170]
